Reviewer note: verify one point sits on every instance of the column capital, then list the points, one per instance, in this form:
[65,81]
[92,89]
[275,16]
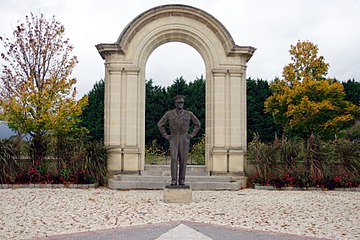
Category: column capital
[236,73]
[126,69]
[233,71]
[219,71]
[132,70]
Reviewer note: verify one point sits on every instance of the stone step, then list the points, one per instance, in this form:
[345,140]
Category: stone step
[164,170]
[166,179]
[158,176]
[150,185]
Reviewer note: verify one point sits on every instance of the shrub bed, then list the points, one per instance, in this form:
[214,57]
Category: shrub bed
[288,163]
[74,161]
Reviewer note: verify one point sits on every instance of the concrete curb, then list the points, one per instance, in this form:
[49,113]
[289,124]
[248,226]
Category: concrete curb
[272,188]
[86,186]
[46,185]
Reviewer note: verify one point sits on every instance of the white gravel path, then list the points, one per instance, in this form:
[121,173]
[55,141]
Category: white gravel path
[27,213]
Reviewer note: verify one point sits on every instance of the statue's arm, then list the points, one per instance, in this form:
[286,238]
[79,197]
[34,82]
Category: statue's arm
[196,123]
[161,126]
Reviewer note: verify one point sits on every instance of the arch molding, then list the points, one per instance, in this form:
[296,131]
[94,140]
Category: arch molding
[225,64]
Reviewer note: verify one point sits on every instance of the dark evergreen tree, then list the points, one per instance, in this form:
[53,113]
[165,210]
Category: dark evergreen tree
[160,99]
[92,116]
[258,121]
[156,104]
[195,102]
[352,91]
[179,87]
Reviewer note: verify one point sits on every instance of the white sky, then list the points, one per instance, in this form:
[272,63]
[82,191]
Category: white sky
[269,26]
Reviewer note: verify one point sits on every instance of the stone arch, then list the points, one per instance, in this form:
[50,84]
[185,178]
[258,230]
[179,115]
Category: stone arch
[225,64]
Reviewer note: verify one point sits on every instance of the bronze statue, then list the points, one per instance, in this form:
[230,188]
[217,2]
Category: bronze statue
[179,137]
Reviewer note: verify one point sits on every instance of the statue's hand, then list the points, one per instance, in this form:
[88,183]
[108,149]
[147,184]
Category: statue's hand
[167,137]
[189,136]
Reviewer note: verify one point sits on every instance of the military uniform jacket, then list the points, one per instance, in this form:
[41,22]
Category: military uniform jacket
[179,122]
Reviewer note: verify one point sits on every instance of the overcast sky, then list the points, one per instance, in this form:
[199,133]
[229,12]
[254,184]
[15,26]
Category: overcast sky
[270,26]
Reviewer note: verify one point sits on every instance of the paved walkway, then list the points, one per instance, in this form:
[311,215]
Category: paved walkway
[177,231]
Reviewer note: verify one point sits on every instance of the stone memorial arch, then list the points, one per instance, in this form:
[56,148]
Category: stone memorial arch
[225,64]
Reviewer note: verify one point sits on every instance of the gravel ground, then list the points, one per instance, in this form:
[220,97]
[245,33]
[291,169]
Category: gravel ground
[29,213]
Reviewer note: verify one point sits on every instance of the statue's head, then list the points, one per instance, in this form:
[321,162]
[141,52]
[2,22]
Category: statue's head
[179,102]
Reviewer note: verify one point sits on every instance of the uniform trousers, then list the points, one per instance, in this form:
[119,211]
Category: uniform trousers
[179,149]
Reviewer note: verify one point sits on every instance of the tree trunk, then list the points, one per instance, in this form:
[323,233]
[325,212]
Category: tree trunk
[38,148]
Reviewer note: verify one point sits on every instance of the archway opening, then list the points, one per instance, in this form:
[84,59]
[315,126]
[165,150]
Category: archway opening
[173,60]
[173,68]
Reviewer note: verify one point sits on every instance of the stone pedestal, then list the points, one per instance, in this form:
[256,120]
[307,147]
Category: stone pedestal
[177,194]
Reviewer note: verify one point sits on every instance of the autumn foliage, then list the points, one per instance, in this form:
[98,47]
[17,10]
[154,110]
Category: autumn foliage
[37,93]
[305,102]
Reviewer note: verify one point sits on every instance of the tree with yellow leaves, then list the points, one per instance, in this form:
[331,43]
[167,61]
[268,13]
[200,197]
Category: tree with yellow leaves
[37,94]
[305,102]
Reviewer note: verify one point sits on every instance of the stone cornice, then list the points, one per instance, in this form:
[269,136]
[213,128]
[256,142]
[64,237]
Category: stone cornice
[246,51]
[107,49]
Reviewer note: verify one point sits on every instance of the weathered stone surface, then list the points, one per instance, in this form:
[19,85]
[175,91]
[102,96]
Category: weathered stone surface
[225,63]
[157,177]
[177,195]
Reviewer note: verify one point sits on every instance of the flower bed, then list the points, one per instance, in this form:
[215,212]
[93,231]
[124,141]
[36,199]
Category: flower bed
[263,187]
[301,180]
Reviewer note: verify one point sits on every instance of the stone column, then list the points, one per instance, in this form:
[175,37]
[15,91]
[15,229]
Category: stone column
[123,119]
[218,151]
[237,122]
[227,140]
[112,119]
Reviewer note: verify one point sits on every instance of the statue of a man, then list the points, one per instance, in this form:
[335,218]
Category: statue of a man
[179,137]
